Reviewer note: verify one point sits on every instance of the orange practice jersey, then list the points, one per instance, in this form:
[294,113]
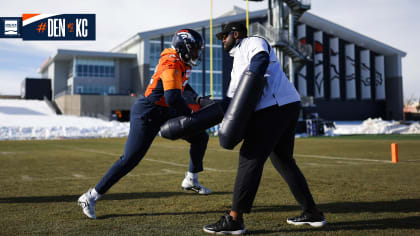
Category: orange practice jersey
[170,73]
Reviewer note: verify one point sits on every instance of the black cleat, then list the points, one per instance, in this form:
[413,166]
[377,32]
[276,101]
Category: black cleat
[226,225]
[314,220]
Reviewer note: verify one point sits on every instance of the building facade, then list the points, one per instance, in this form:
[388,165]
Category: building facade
[86,83]
[348,76]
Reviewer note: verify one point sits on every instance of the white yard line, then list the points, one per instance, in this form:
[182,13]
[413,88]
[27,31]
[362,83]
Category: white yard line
[348,159]
[341,158]
[8,153]
[148,159]
[296,154]
[167,171]
[79,176]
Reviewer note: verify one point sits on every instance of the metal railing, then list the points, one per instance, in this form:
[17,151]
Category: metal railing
[277,36]
[305,2]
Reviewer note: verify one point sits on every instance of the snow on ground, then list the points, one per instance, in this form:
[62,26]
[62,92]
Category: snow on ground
[33,119]
[376,126]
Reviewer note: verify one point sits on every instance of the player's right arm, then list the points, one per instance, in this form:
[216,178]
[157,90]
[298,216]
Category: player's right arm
[172,86]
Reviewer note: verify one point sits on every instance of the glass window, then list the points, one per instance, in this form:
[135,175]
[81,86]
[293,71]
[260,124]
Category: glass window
[85,70]
[101,71]
[90,70]
[96,71]
[78,70]
[112,71]
[95,67]
[217,64]
[107,71]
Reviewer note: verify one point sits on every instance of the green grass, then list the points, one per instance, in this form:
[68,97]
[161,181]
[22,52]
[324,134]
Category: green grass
[351,178]
[396,137]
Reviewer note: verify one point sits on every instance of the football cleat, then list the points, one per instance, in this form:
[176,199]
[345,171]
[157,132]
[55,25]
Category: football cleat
[226,225]
[306,218]
[87,202]
[191,183]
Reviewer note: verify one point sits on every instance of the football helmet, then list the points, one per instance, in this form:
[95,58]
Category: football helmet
[188,43]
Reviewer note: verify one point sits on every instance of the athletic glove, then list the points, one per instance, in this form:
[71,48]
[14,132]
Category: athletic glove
[204,101]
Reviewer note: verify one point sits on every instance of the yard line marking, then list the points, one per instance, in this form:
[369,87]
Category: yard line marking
[27,178]
[157,173]
[166,162]
[302,155]
[78,176]
[8,153]
[181,165]
[341,158]
[148,159]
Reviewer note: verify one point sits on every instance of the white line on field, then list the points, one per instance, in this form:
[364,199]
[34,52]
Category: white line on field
[8,153]
[26,178]
[79,176]
[149,159]
[218,170]
[296,154]
[341,158]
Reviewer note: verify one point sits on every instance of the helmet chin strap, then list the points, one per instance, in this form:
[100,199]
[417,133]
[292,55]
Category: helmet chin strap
[192,62]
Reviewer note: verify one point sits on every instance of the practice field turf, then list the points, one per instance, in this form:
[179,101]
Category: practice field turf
[352,179]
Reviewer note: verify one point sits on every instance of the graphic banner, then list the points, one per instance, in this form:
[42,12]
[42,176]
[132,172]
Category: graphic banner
[49,27]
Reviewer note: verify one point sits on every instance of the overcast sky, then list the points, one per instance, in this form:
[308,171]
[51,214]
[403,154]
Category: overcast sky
[393,22]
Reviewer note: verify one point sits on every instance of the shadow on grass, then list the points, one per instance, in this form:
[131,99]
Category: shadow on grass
[411,222]
[159,214]
[402,206]
[111,196]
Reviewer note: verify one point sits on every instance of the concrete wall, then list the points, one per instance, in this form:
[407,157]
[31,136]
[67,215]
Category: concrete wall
[394,88]
[93,105]
[135,79]
[145,76]
[124,73]
[61,70]
[69,104]
[50,74]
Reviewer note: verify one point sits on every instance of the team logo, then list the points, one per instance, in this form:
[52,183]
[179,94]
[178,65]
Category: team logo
[188,73]
[184,34]
[58,27]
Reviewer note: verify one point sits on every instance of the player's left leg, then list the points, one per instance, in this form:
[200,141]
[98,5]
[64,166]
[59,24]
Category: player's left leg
[285,164]
[143,128]
[197,150]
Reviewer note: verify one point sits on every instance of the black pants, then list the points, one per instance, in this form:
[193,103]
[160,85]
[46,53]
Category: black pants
[271,131]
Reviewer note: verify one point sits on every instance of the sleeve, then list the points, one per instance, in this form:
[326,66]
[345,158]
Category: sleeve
[259,63]
[256,45]
[171,79]
[174,99]
[193,92]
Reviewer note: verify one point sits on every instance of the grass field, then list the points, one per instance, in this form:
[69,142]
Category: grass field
[352,179]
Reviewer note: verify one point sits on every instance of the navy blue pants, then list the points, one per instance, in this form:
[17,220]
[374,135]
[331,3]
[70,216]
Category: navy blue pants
[145,122]
[270,132]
